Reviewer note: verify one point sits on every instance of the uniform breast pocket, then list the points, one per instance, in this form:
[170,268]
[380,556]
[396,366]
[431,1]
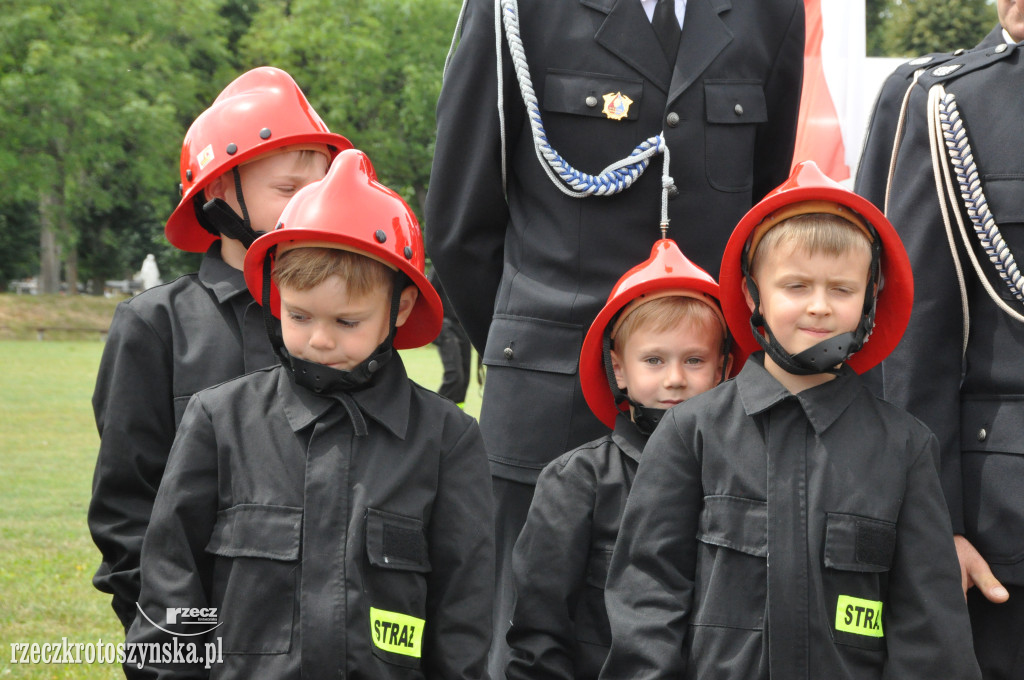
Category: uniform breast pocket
[396,586]
[257,550]
[857,557]
[579,108]
[733,109]
[732,569]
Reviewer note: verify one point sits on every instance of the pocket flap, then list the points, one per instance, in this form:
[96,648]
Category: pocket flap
[396,541]
[583,94]
[734,102]
[533,344]
[736,523]
[854,543]
[991,426]
[271,532]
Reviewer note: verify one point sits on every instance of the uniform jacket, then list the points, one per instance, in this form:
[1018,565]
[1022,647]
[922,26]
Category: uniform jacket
[973,398]
[164,345]
[787,536]
[326,554]
[527,275]
[559,625]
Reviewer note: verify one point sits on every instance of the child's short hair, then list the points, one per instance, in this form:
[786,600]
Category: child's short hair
[812,233]
[304,268]
[663,313]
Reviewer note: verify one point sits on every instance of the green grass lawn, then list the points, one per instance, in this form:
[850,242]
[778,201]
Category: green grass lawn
[48,447]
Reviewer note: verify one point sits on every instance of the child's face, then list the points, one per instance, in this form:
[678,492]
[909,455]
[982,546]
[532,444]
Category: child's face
[659,369]
[806,299]
[268,183]
[326,325]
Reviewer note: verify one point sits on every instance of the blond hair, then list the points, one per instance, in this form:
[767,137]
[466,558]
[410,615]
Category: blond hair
[304,268]
[813,234]
[663,313]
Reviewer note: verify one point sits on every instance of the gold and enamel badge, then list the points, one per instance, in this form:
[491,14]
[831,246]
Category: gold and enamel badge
[616,105]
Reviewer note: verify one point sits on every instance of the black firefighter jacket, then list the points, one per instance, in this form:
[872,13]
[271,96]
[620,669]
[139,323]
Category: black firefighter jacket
[527,268]
[326,554]
[559,624]
[796,537]
[967,384]
[165,344]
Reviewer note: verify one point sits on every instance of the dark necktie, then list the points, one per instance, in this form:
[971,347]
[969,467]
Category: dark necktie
[666,26]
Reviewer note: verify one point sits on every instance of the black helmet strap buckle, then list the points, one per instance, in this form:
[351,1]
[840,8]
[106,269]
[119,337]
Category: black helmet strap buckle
[218,218]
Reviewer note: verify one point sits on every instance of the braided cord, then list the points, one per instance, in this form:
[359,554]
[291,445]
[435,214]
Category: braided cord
[616,177]
[987,231]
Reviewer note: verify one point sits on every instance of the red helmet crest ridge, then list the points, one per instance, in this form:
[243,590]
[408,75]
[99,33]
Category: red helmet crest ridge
[666,272]
[261,110]
[809,186]
[349,209]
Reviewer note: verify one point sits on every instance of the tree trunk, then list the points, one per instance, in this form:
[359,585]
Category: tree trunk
[49,251]
[71,269]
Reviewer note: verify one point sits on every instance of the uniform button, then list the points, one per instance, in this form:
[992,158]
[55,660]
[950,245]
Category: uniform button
[672,119]
[958,52]
[1002,47]
[982,434]
[738,109]
[509,353]
[591,101]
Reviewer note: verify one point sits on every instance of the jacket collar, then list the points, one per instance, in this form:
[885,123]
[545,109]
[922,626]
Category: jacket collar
[627,437]
[822,405]
[385,400]
[627,33]
[224,280]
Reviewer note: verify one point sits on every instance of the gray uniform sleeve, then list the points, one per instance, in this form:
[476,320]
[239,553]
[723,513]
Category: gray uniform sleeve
[650,582]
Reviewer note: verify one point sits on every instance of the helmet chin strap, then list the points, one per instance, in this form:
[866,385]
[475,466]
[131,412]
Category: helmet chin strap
[218,218]
[827,355]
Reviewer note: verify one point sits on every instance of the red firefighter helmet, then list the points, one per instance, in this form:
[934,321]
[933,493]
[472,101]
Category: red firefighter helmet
[666,272]
[809,190]
[260,110]
[350,210]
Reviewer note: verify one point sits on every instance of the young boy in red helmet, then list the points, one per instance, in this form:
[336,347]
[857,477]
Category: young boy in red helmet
[241,161]
[789,524]
[337,515]
[660,339]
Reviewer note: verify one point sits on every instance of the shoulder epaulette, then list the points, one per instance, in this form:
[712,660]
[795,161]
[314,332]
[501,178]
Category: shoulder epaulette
[964,63]
[908,68]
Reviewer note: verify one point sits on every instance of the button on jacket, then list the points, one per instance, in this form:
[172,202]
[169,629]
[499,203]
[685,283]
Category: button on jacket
[164,345]
[326,554]
[559,625]
[787,536]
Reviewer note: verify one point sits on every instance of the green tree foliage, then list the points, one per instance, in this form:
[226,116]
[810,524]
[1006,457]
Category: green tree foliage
[96,96]
[371,69]
[908,28]
[93,102]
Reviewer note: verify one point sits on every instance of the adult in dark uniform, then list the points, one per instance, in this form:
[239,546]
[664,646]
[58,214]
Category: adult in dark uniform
[528,267]
[958,368]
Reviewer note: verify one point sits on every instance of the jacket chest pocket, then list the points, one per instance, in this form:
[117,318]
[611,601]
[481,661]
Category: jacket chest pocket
[732,569]
[732,109]
[857,557]
[396,586]
[254,582]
